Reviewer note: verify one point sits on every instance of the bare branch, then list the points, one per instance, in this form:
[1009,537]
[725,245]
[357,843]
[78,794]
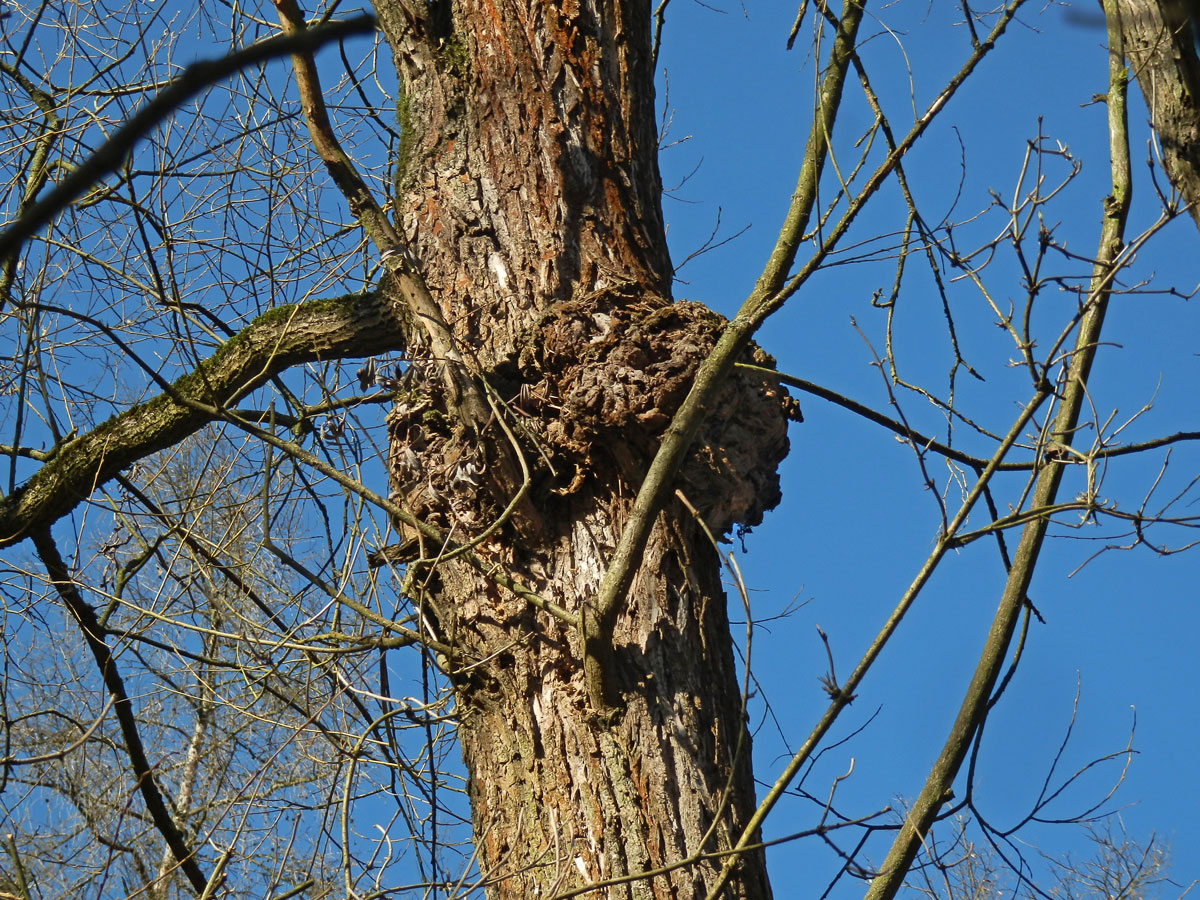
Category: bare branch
[195,78]
[93,633]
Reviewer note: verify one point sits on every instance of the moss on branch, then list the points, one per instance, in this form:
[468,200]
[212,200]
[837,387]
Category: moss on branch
[330,328]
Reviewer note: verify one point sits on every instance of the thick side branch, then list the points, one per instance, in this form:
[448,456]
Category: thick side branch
[357,325]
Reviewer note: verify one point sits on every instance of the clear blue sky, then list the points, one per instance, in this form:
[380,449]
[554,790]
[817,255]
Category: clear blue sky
[855,524]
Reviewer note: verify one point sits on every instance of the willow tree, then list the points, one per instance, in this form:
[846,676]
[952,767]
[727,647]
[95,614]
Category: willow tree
[566,445]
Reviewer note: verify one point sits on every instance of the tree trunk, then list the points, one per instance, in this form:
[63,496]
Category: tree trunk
[528,190]
[1160,44]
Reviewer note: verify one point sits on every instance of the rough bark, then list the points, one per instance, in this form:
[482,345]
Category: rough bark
[529,192]
[1160,43]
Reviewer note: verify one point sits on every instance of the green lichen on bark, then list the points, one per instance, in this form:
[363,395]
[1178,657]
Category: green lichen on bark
[453,57]
[404,147]
[347,326]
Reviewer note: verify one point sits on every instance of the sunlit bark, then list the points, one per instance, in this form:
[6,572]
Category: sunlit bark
[529,192]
